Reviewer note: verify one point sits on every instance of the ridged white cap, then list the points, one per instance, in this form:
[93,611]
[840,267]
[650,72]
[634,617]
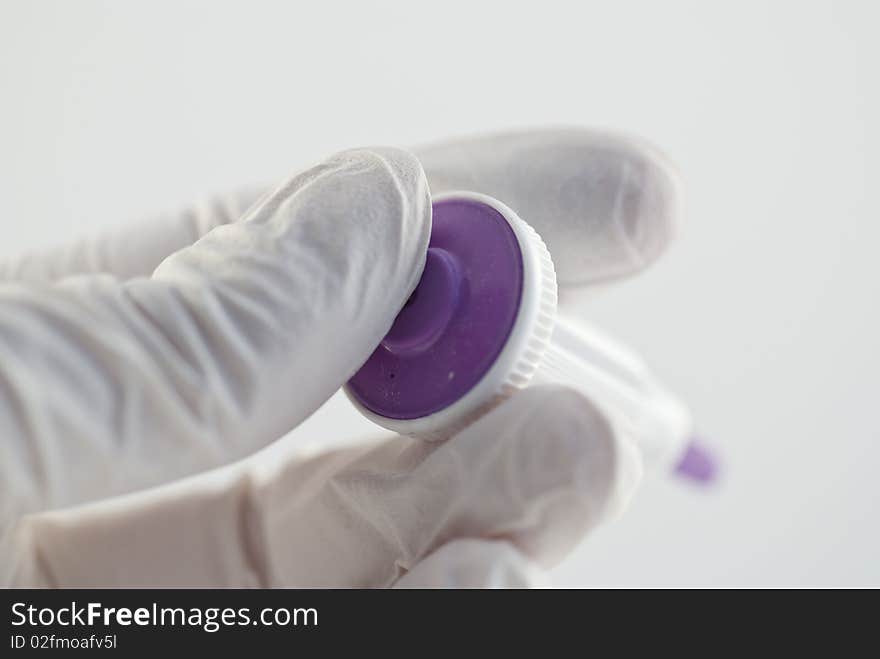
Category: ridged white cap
[523,351]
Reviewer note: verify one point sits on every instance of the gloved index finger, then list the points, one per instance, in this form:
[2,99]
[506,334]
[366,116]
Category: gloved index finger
[606,204]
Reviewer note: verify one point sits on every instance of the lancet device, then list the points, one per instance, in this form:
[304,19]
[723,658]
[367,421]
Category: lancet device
[482,323]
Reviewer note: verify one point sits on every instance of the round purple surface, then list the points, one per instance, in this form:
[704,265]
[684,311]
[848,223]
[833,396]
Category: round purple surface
[457,320]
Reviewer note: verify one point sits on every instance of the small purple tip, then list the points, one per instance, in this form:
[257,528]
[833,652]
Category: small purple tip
[698,464]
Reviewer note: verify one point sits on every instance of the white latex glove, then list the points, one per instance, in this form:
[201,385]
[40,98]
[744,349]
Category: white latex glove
[122,368]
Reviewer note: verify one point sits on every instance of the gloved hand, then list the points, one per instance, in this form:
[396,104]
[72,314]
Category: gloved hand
[172,347]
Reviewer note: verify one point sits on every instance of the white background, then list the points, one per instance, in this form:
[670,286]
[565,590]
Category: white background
[765,315]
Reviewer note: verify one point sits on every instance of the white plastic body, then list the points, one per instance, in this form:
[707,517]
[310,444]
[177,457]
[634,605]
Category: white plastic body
[620,384]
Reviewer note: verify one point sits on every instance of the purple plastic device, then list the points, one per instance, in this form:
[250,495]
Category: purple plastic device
[482,323]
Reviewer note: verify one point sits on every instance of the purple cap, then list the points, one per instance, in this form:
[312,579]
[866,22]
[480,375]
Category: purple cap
[698,464]
[455,323]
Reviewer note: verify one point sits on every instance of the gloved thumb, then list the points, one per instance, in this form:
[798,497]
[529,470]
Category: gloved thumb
[112,385]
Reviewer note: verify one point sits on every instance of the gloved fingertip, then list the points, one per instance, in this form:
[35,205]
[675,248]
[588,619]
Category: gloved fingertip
[474,563]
